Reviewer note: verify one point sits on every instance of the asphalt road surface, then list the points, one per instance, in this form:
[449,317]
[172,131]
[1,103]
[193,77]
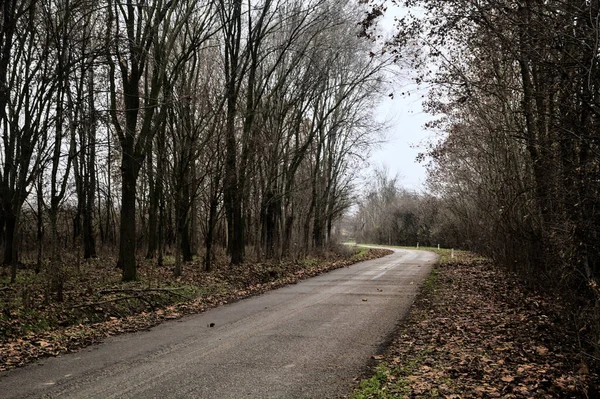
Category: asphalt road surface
[308,340]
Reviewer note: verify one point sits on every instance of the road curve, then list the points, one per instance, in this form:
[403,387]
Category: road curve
[307,340]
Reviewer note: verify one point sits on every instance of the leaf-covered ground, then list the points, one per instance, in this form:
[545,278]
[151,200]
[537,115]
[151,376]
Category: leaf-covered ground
[97,304]
[476,332]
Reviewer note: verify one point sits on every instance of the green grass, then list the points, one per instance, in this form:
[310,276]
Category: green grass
[389,382]
[361,251]
[310,262]
[379,385]
[432,282]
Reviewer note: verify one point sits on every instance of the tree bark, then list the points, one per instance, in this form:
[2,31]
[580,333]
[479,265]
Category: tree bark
[89,242]
[127,237]
[40,225]
[9,246]
[208,241]
[153,209]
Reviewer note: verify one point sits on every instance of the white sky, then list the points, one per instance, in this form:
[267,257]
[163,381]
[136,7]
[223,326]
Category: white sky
[406,136]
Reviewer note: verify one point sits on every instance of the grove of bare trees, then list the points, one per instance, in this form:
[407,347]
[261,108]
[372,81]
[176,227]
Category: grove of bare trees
[179,127]
[389,214]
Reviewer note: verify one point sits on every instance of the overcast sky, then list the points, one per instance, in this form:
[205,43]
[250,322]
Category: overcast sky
[406,135]
[405,138]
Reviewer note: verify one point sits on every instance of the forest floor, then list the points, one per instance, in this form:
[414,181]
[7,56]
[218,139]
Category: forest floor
[96,304]
[475,331]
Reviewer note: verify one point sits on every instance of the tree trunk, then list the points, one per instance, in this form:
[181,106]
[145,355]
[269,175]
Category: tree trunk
[160,195]
[330,228]
[153,209]
[89,243]
[318,231]
[177,268]
[184,220]
[269,223]
[193,216]
[2,230]
[233,201]
[212,216]
[127,230]
[110,228]
[287,234]
[40,225]
[161,233]
[186,245]
[56,278]
[10,248]
[10,221]
[232,194]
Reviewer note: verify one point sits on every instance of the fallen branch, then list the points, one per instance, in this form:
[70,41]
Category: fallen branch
[142,290]
[90,304]
[137,291]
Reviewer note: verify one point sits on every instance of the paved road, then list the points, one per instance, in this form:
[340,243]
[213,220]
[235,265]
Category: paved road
[307,340]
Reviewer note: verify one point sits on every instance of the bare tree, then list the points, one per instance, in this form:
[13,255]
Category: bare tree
[26,92]
[142,38]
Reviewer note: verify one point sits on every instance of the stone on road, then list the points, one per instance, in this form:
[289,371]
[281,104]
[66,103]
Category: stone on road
[308,340]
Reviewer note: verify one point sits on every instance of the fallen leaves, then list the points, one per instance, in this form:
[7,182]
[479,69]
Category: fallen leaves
[541,350]
[479,333]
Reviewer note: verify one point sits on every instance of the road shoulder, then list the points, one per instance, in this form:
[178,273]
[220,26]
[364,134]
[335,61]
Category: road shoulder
[476,331]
